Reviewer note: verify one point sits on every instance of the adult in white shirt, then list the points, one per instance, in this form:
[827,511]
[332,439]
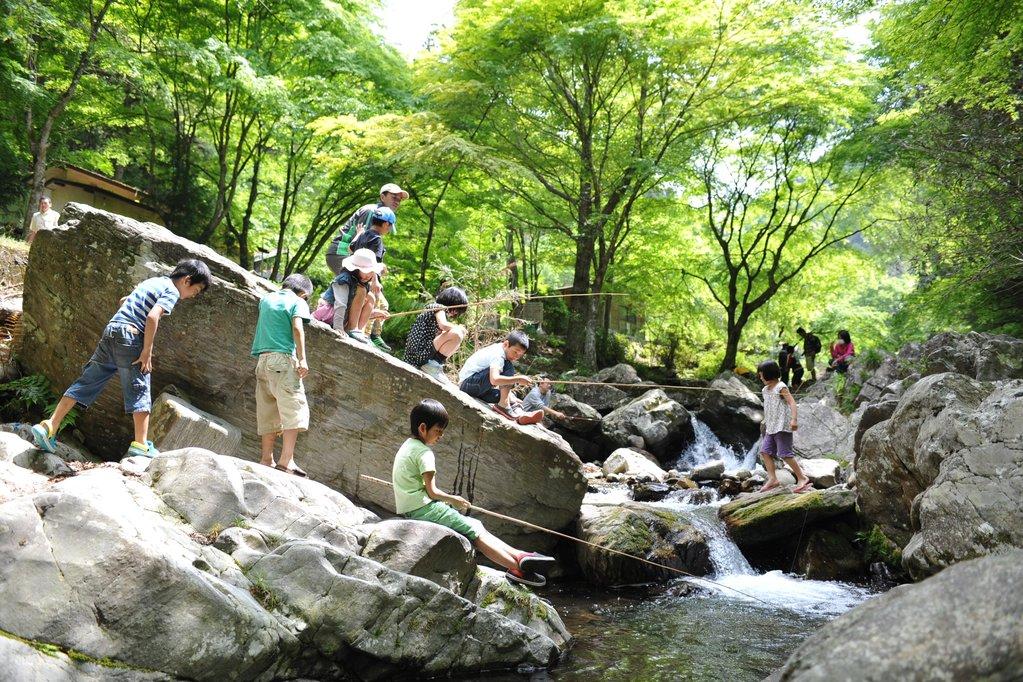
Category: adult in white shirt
[45,217]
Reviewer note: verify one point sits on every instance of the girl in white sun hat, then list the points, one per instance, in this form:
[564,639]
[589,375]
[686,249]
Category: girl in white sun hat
[348,305]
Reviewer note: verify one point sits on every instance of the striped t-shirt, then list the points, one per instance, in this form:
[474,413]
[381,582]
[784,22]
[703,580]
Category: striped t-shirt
[153,291]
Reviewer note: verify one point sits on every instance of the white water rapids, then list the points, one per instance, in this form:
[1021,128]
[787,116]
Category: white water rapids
[777,588]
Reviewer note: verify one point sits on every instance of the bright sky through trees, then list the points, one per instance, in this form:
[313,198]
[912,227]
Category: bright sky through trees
[408,23]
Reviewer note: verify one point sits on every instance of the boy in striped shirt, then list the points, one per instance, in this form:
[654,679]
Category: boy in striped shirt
[126,349]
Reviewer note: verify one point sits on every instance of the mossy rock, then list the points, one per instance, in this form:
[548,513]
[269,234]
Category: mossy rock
[767,517]
[659,535]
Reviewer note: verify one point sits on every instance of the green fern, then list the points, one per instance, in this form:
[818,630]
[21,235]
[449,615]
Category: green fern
[31,396]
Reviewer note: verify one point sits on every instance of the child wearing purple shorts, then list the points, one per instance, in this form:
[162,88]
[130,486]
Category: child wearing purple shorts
[780,411]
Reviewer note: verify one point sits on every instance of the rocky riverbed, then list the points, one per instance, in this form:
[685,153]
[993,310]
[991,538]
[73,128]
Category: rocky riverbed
[203,565]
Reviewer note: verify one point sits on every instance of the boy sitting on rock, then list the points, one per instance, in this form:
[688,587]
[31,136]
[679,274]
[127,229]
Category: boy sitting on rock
[416,496]
[126,349]
[489,375]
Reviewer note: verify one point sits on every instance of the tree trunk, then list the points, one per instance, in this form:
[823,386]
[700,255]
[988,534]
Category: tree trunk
[582,343]
[42,144]
[244,256]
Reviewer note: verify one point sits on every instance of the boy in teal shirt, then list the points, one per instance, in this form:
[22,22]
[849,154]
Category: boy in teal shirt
[279,343]
[416,496]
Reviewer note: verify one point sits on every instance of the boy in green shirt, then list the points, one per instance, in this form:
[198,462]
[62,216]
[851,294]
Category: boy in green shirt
[416,496]
[279,343]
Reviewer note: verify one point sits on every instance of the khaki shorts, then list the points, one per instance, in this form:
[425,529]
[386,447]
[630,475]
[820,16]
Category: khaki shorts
[280,396]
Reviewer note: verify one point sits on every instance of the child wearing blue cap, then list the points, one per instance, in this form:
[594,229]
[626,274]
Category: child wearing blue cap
[380,224]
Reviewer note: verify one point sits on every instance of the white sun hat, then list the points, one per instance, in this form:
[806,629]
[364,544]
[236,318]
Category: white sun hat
[364,260]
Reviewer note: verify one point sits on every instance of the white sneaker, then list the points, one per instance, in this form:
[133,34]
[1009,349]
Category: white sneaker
[436,370]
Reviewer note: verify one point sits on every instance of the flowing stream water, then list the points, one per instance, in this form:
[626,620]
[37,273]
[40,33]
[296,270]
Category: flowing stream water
[644,633]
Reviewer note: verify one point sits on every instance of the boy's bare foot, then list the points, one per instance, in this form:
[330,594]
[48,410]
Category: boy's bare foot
[803,487]
[267,462]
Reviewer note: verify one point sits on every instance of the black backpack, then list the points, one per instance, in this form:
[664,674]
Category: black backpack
[812,345]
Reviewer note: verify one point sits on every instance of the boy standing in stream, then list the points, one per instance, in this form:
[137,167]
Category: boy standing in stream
[416,496]
[126,349]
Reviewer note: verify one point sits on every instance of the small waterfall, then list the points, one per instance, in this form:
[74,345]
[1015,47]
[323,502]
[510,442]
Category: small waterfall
[707,448]
[724,554]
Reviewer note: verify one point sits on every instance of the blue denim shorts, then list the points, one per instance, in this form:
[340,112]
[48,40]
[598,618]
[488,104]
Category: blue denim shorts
[478,385]
[118,348]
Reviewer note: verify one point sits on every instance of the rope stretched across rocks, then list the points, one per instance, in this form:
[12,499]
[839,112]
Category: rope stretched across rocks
[515,299]
[565,536]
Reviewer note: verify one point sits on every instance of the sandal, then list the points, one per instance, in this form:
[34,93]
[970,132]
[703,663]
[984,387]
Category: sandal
[534,562]
[525,578]
[298,471]
[502,411]
[286,470]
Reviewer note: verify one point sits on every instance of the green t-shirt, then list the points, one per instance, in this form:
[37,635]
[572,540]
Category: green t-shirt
[414,458]
[273,328]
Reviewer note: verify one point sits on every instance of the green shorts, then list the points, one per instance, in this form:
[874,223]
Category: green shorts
[446,515]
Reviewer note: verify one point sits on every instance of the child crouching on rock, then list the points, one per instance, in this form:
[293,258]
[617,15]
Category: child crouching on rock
[416,496]
[780,414]
[126,349]
[348,305]
[279,345]
[433,337]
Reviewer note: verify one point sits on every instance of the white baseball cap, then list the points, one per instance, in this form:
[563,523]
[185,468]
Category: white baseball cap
[391,188]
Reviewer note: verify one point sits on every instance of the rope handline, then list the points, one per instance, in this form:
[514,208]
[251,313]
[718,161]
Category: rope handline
[516,299]
[640,385]
[527,524]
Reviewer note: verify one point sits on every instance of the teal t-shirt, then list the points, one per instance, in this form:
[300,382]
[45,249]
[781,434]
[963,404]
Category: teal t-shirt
[273,328]
[414,458]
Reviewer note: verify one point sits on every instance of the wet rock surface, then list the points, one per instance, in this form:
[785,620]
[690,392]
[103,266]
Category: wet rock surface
[658,535]
[962,624]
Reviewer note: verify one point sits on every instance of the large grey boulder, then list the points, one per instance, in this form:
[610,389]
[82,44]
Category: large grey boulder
[16,481]
[899,458]
[758,518]
[659,535]
[823,431]
[985,357]
[359,397]
[629,462]
[732,411]
[873,413]
[97,563]
[962,624]
[492,590]
[213,492]
[822,472]
[665,426]
[621,373]
[26,661]
[974,507]
[599,396]
[424,549]
[110,565]
[582,418]
[363,610]
[25,454]
[176,424]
